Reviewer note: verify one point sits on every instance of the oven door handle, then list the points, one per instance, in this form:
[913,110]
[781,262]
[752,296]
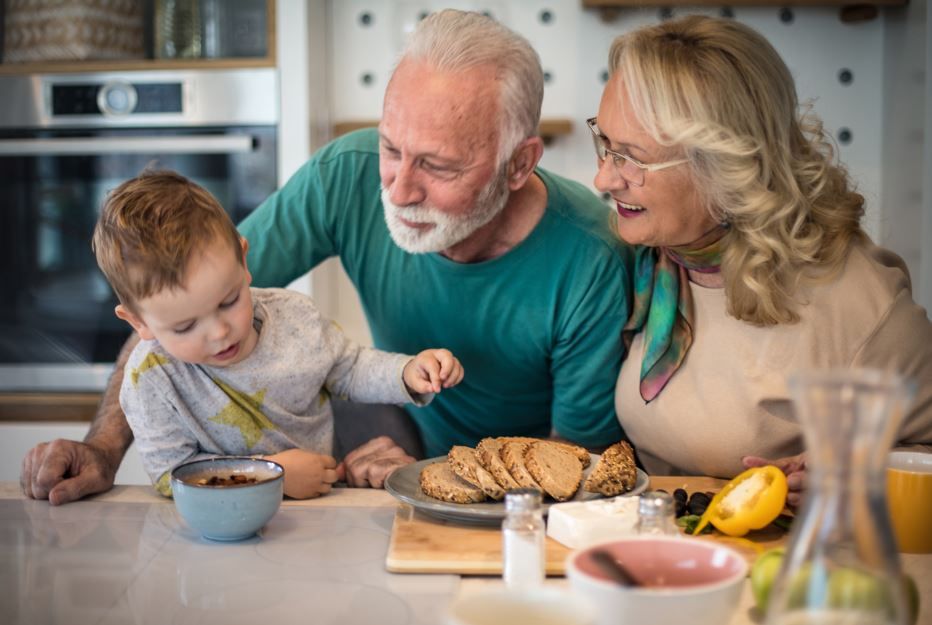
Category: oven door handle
[151,144]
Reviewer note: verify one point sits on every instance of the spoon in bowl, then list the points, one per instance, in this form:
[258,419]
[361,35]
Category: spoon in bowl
[613,568]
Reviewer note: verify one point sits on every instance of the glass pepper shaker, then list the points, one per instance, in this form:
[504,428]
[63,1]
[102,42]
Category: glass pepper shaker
[523,539]
[657,514]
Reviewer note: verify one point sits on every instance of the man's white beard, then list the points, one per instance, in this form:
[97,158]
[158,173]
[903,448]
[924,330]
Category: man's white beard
[447,230]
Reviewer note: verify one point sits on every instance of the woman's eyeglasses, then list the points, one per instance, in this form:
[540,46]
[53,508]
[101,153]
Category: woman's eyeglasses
[628,167]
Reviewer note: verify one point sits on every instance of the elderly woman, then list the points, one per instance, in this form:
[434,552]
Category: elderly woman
[753,262]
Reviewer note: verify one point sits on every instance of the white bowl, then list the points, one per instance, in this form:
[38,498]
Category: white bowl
[682,580]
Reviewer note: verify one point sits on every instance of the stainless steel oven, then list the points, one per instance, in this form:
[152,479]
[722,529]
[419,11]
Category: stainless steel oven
[65,141]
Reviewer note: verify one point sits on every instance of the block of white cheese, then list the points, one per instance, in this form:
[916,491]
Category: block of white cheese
[578,524]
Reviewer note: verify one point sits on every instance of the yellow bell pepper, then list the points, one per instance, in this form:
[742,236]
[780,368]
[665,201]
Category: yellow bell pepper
[751,501]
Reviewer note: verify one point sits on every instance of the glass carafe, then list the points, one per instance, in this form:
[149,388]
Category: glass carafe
[841,566]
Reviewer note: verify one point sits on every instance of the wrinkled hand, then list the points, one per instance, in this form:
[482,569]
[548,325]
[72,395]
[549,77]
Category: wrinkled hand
[63,471]
[794,467]
[307,474]
[432,370]
[371,463]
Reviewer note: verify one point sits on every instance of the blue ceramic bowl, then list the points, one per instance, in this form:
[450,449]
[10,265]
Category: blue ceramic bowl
[227,511]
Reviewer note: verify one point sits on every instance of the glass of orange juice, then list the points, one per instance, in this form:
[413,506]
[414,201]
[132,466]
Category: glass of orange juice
[909,497]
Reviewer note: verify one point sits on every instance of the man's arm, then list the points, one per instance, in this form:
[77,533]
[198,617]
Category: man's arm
[63,470]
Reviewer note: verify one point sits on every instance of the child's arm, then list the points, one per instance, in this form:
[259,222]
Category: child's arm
[432,370]
[307,474]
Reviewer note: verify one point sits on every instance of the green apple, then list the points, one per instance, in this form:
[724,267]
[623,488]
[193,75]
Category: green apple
[859,590]
[763,573]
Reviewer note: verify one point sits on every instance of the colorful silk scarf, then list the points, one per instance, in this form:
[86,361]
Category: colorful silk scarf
[663,305]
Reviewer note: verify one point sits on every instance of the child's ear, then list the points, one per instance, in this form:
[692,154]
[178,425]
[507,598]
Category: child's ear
[245,245]
[132,319]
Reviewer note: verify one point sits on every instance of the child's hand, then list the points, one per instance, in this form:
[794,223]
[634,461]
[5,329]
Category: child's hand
[432,370]
[307,474]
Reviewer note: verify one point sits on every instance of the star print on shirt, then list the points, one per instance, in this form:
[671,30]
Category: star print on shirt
[243,412]
[151,361]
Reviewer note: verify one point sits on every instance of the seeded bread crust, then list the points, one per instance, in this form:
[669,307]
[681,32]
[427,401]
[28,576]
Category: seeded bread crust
[615,472]
[488,451]
[440,482]
[558,471]
[466,465]
[580,452]
[513,457]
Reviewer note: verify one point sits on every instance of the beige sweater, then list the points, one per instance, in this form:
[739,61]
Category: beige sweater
[729,399]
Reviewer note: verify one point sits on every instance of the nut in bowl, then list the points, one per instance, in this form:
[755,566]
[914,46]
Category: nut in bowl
[228,497]
[677,580]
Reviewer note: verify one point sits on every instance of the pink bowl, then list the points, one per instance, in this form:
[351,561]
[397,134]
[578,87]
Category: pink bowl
[677,577]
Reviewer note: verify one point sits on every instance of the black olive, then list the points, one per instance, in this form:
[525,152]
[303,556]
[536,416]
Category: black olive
[698,502]
[680,495]
[680,508]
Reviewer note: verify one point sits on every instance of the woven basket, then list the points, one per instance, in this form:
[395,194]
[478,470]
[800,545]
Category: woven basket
[72,30]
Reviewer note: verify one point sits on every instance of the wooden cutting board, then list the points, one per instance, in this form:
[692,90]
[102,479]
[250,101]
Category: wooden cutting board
[424,544]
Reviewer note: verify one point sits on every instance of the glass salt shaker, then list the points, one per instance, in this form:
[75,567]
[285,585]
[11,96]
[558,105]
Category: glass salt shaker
[657,514]
[523,538]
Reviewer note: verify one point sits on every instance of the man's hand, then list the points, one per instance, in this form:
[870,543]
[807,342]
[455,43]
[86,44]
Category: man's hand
[794,467]
[432,370]
[63,471]
[307,474]
[371,463]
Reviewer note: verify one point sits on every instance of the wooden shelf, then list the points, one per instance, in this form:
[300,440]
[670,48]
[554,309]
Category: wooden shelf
[36,407]
[549,128]
[849,10]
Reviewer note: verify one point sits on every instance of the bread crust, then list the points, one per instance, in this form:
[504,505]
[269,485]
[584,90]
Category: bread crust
[488,451]
[465,464]
[557,469]
[513,456]
[438,480]
[580,452]
[615,472]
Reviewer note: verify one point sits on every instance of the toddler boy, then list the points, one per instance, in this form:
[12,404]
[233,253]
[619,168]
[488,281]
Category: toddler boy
[223,368]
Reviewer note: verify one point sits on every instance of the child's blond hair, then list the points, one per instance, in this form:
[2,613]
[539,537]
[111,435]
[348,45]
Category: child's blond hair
[149,229]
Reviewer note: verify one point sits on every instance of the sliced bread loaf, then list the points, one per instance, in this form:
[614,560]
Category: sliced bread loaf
[615,472]
[513,456]
[488,451]
[466,465]
[557,470]
[440,482]
[580,452]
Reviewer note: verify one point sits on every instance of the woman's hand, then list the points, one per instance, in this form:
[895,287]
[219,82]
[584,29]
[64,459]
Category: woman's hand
[794,467]
[432,370]
[307,474]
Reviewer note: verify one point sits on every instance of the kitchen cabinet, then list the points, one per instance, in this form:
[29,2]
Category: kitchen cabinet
[849,10]
[217,22]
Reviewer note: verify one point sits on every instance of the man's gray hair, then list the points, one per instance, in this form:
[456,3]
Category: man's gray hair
[452,40]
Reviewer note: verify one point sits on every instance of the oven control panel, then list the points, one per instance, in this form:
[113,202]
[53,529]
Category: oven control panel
[116,98]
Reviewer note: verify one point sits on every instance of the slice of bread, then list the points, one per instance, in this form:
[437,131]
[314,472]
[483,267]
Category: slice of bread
[466,465]
[440,482]
[615,472]
[513,456]
[580,452]
[488,451]
[556,468]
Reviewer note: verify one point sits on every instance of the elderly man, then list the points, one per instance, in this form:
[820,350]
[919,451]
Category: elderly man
[453,236]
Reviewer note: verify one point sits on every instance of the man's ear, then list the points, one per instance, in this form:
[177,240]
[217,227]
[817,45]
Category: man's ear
[134,320]
[523,161]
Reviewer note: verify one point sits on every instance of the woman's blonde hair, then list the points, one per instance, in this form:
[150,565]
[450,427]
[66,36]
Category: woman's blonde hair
[720,91]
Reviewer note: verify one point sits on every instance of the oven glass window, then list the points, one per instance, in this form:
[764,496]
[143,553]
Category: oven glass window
[55,305]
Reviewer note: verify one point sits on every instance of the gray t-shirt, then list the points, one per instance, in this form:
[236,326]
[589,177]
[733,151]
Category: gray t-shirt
[276,399]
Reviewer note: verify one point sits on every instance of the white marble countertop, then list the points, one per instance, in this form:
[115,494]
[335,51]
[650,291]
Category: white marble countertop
[127,557]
